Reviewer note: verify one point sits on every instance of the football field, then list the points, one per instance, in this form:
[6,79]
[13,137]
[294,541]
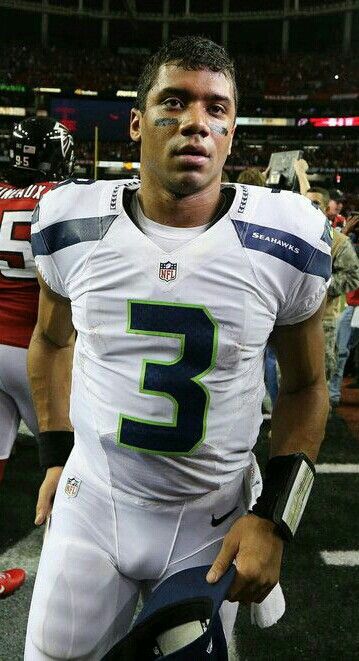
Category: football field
[320,576]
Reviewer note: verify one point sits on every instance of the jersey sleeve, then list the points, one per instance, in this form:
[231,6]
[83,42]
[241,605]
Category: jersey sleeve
[308,291]
[40,234]
[66,226]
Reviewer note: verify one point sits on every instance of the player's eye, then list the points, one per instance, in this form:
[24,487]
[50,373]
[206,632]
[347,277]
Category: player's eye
[173,104]
[216,109]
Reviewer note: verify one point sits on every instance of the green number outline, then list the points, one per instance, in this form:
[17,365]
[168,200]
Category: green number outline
[196,379]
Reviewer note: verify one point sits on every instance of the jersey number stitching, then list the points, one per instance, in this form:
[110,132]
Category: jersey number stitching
[20,231]
[178,380]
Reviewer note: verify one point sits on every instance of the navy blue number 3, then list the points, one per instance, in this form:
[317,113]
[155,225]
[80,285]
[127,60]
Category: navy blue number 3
[179,380]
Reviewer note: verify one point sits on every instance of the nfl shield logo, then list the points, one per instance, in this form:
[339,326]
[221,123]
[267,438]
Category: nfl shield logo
[168,271]
[72,487]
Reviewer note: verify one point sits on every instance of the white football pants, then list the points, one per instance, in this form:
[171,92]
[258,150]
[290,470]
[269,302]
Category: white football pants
[15,397]
[103,548]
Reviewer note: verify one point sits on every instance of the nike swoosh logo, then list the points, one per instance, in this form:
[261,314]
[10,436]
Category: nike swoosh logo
[217,522]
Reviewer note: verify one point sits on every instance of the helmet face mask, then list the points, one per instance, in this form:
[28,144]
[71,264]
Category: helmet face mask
[42,149]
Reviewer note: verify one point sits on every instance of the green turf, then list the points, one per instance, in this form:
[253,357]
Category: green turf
[320,623]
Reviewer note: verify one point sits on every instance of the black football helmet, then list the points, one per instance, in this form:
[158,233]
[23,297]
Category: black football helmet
[42,149]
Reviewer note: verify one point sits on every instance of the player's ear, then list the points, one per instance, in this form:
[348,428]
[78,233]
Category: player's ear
[135,125]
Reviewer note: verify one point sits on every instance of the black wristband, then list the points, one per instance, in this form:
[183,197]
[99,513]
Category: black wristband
[55,447]
[286,487]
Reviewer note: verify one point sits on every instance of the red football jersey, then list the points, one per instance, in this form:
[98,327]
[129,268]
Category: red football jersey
[338,221]
[353,297]
[19,290]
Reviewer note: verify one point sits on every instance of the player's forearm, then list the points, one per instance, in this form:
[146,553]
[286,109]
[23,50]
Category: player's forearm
[299,419]
[49,369]
[303,181]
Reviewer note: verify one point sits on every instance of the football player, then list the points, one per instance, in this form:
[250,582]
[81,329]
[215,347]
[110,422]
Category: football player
[174,285]
[41,152]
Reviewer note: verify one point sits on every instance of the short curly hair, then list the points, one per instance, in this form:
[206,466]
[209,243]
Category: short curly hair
[251,176]
[194,53]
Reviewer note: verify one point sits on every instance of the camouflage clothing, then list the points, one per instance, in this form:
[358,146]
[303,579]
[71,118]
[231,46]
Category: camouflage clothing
[345,277]
[330,348]
[345,273]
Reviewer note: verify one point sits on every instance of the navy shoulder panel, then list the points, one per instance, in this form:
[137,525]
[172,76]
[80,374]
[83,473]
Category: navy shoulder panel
[69,232]
[285,246]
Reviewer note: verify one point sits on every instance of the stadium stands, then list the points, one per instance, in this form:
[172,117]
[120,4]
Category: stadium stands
[296,89]
[103,70]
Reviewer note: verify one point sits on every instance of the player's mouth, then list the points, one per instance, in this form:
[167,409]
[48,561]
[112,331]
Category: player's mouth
[192,155]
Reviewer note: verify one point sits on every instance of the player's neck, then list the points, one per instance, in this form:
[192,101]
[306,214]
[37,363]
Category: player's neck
[189,211]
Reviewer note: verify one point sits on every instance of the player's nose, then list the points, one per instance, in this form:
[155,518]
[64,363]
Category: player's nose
[194,120]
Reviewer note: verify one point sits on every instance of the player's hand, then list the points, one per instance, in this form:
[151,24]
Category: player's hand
[47,494]
[300,166]
[256,548]
[351,225]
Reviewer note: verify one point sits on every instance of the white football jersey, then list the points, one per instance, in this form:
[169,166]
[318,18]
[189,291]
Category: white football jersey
[168,368]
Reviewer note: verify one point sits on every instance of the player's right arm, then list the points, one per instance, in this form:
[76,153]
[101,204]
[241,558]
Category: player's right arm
[50,358]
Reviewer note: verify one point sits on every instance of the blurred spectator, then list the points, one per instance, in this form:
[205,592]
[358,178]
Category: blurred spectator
[335,206]
[347,339]
[319,196]
[251,176]
[345,278]
[351,229]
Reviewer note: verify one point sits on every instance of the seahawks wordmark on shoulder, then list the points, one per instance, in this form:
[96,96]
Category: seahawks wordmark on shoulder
[274,239]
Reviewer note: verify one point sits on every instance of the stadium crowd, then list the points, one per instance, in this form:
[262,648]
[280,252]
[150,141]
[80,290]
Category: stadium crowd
[105,70]
[246,152]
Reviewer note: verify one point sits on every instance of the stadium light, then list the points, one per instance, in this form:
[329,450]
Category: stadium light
[119,165]
[81,92]
[126,93]
[265,121]
[12,111]
[47,90]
